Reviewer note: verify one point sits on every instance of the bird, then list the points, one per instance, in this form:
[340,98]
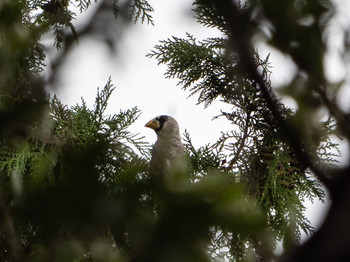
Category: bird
[168,152]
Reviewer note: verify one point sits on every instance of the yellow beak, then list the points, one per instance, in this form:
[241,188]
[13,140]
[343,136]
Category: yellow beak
[154,124]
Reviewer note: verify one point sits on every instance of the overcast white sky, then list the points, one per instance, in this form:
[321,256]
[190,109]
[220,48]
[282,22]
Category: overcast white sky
[140,81]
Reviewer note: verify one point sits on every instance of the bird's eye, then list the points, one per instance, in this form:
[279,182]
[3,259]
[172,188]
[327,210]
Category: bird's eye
[162,118]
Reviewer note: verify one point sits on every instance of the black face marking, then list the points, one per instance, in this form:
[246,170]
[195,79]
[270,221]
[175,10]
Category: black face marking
[162,119]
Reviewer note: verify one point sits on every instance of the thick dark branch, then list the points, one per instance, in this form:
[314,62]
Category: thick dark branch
[330,242]
[8,231]
[229,10]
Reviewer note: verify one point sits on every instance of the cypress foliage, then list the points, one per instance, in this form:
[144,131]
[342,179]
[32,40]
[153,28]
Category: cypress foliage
[75,182]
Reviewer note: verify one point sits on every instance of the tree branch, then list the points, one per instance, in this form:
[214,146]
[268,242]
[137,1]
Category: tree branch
[343,120]
[7,227]
[330,242]
[229,10]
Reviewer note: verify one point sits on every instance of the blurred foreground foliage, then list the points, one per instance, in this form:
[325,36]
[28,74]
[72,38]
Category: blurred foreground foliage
[77,190]
[75,181]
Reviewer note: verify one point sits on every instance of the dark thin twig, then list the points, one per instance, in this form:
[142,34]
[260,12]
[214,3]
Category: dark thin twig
[343,120]
[244,138]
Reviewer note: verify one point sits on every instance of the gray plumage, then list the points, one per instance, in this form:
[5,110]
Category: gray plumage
[168,151]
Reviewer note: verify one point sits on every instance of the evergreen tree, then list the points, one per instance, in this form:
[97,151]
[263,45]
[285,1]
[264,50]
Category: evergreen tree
[75,182]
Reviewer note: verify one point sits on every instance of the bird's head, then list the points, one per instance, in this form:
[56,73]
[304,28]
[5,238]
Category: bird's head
[164,125]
